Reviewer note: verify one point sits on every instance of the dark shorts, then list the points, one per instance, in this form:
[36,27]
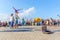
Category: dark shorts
[11,24]
[16,21]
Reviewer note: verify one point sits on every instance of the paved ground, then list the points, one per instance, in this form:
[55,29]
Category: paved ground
[29,36]
[33,35]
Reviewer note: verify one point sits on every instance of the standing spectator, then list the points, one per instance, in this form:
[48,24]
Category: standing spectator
[11,20]
[23,21]
[0,23]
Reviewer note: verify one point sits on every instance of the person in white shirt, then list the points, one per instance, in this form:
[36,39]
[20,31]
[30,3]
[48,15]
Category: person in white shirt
[11,20]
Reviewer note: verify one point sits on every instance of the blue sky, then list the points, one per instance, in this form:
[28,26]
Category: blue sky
[42,8]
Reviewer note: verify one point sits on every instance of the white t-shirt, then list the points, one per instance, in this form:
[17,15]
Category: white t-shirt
[11,18]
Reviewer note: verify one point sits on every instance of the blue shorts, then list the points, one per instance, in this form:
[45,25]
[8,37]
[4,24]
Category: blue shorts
[16,21]
[11,24]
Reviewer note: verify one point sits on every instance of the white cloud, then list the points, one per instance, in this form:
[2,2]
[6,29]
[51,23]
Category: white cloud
[27,12]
